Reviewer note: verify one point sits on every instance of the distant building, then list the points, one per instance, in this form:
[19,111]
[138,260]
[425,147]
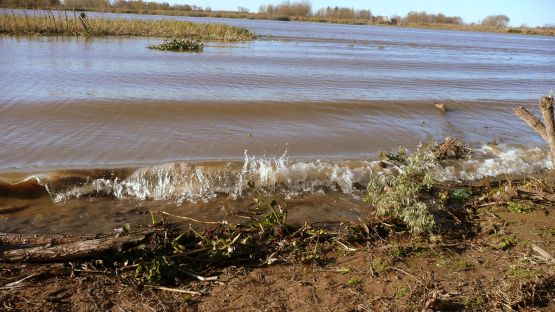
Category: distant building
[380,20]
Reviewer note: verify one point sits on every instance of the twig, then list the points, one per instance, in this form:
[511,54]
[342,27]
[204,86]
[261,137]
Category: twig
[16,283]
[347,248]
[193,252]
[91,271]
[177,290]
[201,278]
[490,204]
[411,275]
[194,220]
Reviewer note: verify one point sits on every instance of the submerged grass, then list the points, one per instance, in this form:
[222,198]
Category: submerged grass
[71,23]
[179,45]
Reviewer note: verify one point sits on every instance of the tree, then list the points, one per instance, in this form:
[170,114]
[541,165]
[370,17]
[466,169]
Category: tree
[496,21]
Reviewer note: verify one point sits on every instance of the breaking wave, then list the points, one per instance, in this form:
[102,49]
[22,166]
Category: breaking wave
[202,181]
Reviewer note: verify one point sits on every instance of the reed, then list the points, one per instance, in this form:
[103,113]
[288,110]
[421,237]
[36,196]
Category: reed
[59,23]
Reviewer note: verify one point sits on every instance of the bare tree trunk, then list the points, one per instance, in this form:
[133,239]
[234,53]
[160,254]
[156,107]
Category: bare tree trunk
[546,129]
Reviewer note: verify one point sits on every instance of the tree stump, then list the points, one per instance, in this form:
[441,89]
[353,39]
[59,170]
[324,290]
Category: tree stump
[546,129]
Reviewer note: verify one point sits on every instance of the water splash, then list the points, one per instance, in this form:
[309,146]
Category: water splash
[193,182]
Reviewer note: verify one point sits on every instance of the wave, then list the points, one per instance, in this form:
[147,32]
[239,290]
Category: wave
[492,160]
[203,181]
[184,181]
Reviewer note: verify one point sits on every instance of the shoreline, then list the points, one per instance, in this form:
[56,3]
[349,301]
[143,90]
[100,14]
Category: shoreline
[539,31]
[201,189]
[484,245]
[535,31]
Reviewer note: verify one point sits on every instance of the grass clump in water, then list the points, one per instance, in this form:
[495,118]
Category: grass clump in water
[179,45]
[398,196]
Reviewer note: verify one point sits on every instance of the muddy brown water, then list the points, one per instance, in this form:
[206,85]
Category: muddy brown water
[300,111]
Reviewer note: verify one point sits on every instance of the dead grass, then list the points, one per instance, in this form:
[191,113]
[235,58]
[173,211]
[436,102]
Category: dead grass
[70,23]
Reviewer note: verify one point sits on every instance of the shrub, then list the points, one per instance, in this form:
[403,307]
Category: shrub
[398,196]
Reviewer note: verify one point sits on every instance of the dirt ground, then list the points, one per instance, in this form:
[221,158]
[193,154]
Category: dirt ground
[500,258]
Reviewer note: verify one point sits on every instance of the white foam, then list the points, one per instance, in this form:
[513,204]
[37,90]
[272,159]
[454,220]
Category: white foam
[182,181]
[493,160]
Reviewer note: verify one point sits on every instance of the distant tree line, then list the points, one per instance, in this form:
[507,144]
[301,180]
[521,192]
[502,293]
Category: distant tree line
[29,3]
[343,13]
[424,18]
[304,9]
[284,10]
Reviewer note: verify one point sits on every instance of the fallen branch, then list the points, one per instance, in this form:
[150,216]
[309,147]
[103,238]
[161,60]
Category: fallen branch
[15,240]
[74,250]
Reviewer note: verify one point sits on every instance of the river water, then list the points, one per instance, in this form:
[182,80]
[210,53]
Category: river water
[302,110]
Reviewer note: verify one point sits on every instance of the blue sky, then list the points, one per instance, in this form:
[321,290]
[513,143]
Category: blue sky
[530,12]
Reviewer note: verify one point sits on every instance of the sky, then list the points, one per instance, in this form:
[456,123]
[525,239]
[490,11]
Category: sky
[530,12]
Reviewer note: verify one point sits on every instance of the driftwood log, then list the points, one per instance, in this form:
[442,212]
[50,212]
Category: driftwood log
[546,129]
[71,251]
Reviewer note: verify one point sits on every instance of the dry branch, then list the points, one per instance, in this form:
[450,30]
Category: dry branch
[532,121]
[546,129]
[14,240]
[74,250]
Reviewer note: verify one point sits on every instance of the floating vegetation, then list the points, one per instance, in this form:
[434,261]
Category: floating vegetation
[179,45]
[78,24]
